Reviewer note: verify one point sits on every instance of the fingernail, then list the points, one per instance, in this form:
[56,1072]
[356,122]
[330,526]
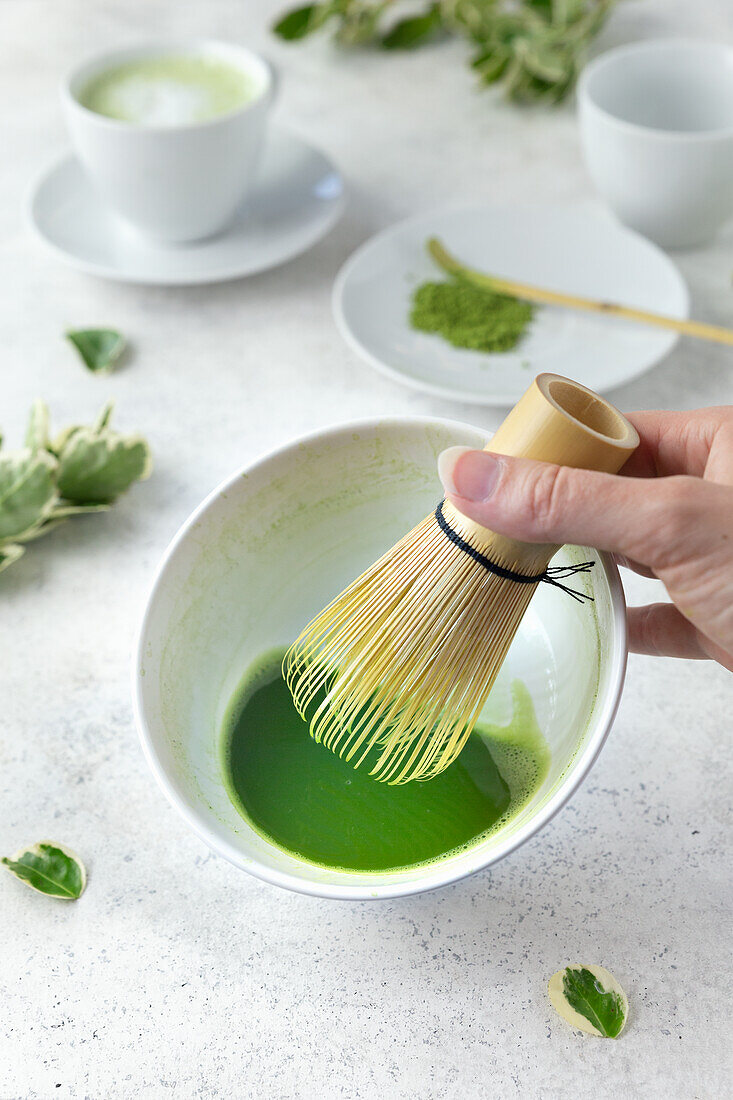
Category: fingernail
[466,473]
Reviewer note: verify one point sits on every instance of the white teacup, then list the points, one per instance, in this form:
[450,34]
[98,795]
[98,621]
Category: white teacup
[180,182]
[656,124]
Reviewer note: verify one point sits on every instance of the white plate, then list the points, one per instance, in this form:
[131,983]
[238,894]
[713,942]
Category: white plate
[297,199]
[578,249]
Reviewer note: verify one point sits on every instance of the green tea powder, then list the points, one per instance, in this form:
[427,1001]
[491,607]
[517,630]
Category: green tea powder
[470,317]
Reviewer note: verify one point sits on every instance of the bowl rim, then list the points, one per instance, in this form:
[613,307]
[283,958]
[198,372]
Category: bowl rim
[587,101]
[436,875]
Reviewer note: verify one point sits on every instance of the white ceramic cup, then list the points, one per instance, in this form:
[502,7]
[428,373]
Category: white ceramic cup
[266,551]
[656,124]
[172,183]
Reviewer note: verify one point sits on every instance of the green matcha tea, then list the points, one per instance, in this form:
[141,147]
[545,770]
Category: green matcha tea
[311,803]
[468,316]
[168,90]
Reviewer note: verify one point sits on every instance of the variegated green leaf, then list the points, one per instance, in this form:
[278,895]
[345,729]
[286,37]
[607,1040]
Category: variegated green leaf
[567,11]
[299,22]
[104,417]
[99,348]
[50,869]
[414,31]
[36,436]
[27,490]
[60,441]
[589,998]
[546,63]
[95,467]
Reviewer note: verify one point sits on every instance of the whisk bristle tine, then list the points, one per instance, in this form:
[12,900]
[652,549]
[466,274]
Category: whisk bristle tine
[394,672]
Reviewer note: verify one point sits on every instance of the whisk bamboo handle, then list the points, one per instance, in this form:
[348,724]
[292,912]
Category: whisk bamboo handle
[562,422]
[558,420]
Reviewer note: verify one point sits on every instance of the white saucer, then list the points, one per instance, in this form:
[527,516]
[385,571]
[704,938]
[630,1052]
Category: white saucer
[297,199]
[578,249]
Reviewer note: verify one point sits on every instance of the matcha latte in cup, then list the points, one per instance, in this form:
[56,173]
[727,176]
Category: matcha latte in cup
[171,134]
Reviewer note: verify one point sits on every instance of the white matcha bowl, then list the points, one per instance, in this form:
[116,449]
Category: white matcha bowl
[268,549]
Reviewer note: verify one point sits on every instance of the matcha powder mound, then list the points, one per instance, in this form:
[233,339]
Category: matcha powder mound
[468,316]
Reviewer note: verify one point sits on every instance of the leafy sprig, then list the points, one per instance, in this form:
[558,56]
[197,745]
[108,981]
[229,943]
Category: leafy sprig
[82,471]
[534,48]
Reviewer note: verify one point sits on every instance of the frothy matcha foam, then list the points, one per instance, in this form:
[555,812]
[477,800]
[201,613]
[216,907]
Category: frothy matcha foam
[168,91]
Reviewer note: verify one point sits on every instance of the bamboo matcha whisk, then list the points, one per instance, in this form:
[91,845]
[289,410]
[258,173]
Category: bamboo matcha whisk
[398,667]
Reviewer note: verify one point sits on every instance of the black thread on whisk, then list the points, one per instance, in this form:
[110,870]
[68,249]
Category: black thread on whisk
[554,574]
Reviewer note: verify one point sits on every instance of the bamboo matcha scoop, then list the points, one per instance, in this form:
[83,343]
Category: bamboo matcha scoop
[526,293]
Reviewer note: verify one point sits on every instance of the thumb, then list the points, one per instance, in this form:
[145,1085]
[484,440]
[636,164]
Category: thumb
[650,520]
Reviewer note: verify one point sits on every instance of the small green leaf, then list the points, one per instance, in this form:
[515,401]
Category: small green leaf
[546,63]
[49,868]
[491,65]
[412,32]
[590,999]
[36,436]
[567,11]
[99,348]
[300,22]
[104,417]
[544,6]
[359,25]
[27,491]
[97,464]
[62,439]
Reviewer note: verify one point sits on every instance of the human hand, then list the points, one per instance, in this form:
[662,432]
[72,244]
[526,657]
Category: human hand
[669,514]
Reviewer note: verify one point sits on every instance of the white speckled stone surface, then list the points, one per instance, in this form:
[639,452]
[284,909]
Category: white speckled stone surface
[176,975]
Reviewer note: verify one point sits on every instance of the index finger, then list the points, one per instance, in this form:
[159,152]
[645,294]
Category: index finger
[675,442]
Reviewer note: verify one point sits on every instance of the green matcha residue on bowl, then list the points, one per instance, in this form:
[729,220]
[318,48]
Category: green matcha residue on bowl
[468,316]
